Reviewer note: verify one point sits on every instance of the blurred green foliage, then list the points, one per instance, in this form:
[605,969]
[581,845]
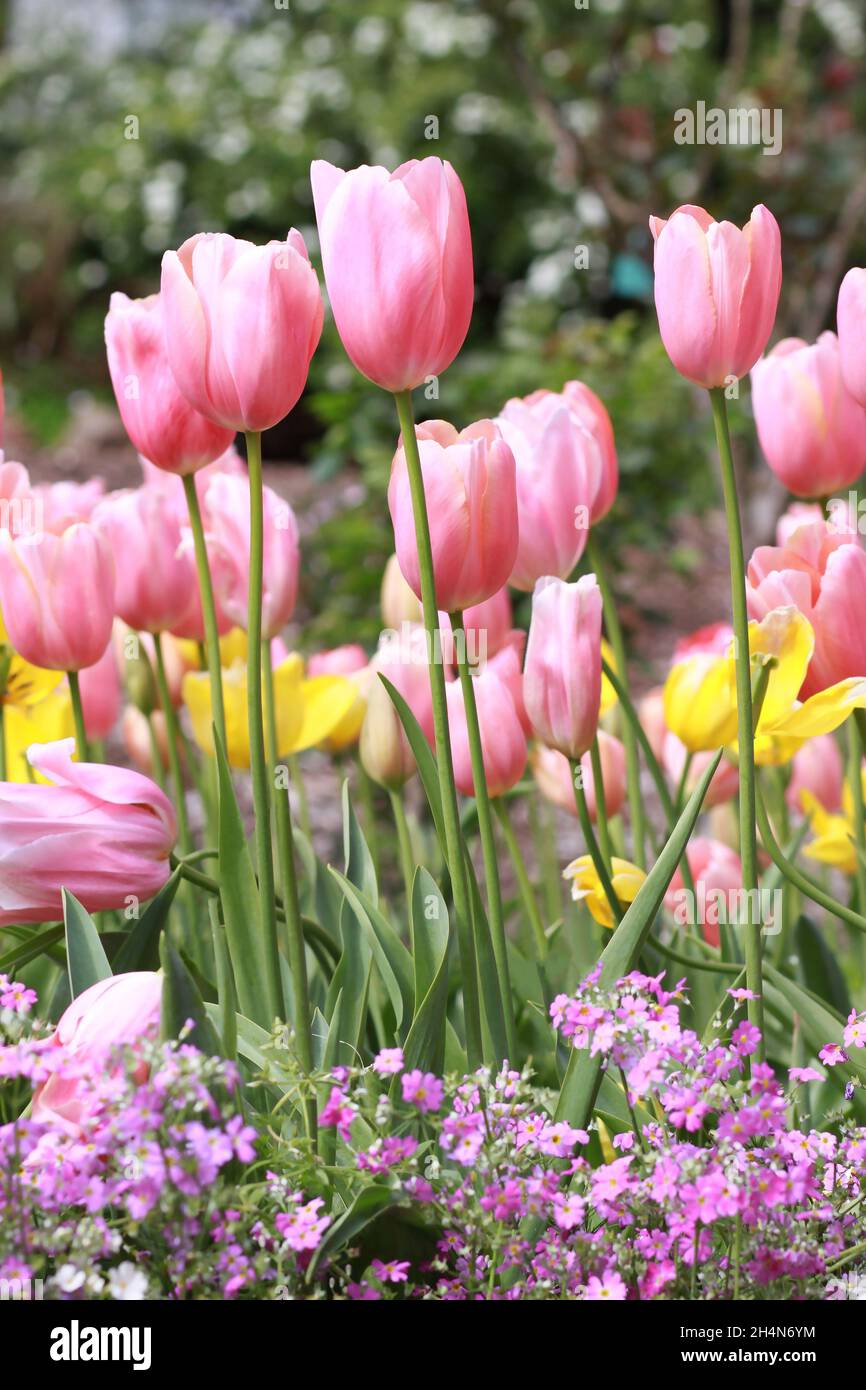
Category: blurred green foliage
[560,121]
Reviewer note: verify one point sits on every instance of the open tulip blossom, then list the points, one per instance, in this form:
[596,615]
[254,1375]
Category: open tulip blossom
[443,948]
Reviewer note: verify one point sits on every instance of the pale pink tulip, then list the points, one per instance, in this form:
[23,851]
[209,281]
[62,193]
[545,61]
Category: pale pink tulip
[397,256]
[104,833]
[651,712]
[339,661]
[159,420]
[562,676]
[812,431]
[566,476]
[100,694]
[503,741]
[716,291]
[155,572]
[227,513]
[817,768]
[718,878]
[487,626]
[57,597]
[241,325]
[553,774]
[472,506]
[112,1013]
[851,323]
[724,783]
[796,515]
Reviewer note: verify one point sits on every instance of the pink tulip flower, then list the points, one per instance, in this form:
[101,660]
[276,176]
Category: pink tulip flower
[112,1013]
[155,572]
[817,768]
[340,661]
[821,571]
[566,476]
[102,832]
[796,515]
[503,741]
[158,419]
[397,256]
[553,775]
[241,325]
[812,431]
[724,783]
[472,506]
[487,626]
[718,876]
[227,512]
[562,676]
[851,323]
[100,694]
[57,597]
[716,291]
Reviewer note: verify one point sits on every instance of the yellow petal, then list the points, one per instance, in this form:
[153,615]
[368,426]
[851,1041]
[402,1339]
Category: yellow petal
[44,722]
[700,702]
[824,712]
[197,698]
[608,694]
[786,635]
[322,704]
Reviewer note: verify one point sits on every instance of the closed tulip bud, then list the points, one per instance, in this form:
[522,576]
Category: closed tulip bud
[724,783]
[553,774]
[161,423]
[851,323]
[104,833]
[100,695]
[469,485]
[651,712]
[398,603]
[241,325]
[57,597]
[503,741]
[155,572]
[340,661]
[716,291]
[227,511]
[566,477]
[717,873]
[812,431]
[384,749]
[397,256]
[146,745]
[562,675]
[817,769]
[114,1012]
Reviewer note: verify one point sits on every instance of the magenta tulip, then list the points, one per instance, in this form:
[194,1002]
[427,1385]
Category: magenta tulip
[716,291]
[851,323]
[503,741]
[227,520]
[102,832]
[241,325]
[158,419]
[812,431]
[397,257]
[472,505]
[115,1012]
[155,571]
[57,597]
[562,676]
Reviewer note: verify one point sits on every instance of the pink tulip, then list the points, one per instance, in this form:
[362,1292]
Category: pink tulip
[227,511]
[562,676]
[851,323]
[241,325]
[57,597]
[100,695]
[724,783]
[507,664]
[817,768]
[566,476]
[651,712]
[397,257]
[716,291]
[340,661]
[553,775]
[115,1012]
[159,420]
[796,515]
[487,626]
[812,431]
[503,741]
[821,571]
[102,832]
[384,748]
[138,743]
[155,572]
[712,640]
[63,503]
[718,876]
[472,506]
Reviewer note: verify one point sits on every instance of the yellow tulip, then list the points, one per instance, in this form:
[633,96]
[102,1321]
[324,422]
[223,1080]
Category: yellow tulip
[233,648]
[586,886]
[700,698]
[348,731]
[835,841]
[307,711]
[608,694]
[23,684]
[44,722]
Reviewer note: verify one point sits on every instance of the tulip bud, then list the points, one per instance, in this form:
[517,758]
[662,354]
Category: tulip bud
[57,597]
[399,604]
[384,749]
[562,675]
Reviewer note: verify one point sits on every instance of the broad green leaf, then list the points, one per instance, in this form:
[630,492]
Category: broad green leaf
[30,947]
[369,1204]
[359,866]
[226,995]
[239,894]
[393,961]
[819,968]
[580,1084]
[425,1043]
[140,950]
[182,1003]
[86,960]
[423,755]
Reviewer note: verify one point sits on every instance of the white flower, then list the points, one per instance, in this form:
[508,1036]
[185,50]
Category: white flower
[127,1284]
[69,1278]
